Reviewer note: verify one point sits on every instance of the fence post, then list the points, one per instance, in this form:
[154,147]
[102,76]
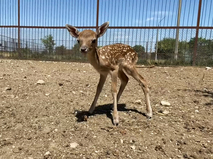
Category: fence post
[197,33]
[19,41]
[97,15]
[177,30]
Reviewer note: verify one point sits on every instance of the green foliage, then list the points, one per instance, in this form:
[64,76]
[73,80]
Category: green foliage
[204,50]
[76,48]
[186,49]
[25,52]
[204,46]
[48,43]
[60,50]
[139,49]
[77,54]
[166,48]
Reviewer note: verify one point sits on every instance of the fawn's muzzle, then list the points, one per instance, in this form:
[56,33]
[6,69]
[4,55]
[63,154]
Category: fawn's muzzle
[84,49]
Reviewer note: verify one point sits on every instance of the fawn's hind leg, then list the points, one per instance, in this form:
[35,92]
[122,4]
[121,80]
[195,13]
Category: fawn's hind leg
[131,70]
[124,80]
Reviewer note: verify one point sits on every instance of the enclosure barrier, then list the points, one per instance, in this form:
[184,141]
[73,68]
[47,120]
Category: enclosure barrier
[35,29]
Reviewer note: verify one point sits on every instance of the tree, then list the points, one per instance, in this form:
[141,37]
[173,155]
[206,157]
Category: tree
[139,49]
[183,51]
[60,50]
[202,43]
[76,48]
[166,48]
[76,52]
[25,52]
[204,48]
[48,43]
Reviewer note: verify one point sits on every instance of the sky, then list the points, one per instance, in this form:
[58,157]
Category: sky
[117,12]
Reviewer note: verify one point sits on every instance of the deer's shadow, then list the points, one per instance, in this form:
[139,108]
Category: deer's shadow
[103,109]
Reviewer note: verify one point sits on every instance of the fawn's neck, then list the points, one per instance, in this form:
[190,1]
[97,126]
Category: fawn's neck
[93,58]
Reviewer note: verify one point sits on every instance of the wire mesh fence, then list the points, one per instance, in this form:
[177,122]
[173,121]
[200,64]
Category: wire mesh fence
[35,29]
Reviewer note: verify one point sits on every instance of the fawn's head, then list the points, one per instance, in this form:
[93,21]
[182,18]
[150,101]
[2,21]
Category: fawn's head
[87,38]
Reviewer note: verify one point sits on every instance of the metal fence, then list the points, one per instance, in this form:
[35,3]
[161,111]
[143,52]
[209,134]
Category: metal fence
[161,31]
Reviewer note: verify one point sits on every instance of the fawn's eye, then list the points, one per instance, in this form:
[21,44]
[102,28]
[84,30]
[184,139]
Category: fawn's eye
[78,41]
[94,40]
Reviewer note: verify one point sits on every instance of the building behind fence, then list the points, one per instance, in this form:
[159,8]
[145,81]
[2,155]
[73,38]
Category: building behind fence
[162,31]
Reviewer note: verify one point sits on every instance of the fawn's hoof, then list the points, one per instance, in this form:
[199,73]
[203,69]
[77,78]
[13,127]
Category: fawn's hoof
[149,116]
[115,121]
[91,111]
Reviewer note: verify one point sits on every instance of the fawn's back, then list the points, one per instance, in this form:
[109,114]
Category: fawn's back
[117,53]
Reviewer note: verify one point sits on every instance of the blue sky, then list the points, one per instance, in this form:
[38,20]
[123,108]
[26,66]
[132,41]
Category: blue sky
[117,12]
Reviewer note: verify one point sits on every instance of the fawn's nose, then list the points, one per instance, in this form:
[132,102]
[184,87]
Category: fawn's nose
[83,49]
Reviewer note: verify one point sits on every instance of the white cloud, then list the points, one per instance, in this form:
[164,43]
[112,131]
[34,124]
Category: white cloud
[154,16]
[150,19]
[158,15]
[121,37]
[162,13]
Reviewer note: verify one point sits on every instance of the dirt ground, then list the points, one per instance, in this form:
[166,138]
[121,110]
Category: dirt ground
[42,121]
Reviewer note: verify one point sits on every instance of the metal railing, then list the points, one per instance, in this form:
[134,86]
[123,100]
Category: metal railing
[132,23]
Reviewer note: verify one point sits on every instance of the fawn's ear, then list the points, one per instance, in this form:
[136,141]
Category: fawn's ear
[102,29]
[72,30]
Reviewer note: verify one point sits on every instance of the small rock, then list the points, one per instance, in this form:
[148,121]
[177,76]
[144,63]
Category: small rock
[116,153]
[165,112]
[40,82]
[6,142]
[60,84]
[47,94]
[16,150]
[85,117]
[47,155]
[138,101]
[165,103]
[46,130]
[53,146]
[196,111]
[11,96]
[73,145]
[133,147]
[208,68]
[18,126]
[123,132]
[8,89]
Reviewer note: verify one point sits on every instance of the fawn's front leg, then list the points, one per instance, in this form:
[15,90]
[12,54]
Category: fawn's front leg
[114,75]
[98,91]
